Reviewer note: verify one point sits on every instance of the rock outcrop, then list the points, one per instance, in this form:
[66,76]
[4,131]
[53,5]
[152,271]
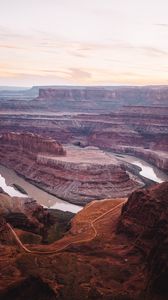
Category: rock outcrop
[24,213]
[140,130]
[144,219]
[79,177]
[124,257]
[130,95]
[99,99]
[32,221]
[84,99]
[32,143]
[155,157]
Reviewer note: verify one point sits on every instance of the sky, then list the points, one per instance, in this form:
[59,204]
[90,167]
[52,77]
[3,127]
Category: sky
[90,42]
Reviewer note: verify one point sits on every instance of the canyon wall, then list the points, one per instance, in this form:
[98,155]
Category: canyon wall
[34,224]
[144,220]
[100,99]
[140,130]
[130,95]
[125,257]
[32,143]
[86,99]
[79,177]
[131,120]
[23,213]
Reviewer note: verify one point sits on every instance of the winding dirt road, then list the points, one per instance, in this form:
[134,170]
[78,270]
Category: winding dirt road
[25,249]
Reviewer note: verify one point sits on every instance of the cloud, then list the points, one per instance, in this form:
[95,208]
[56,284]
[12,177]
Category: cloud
[11,47]
[77,54]
[149,50]
[161,24]
[9,34]
[78,74]
[47,55]
[153,51]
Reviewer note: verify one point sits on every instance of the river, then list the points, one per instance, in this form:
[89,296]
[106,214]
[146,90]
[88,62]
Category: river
[9,177]
[147,170]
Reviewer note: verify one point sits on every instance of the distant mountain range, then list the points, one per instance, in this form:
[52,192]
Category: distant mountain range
[27,93]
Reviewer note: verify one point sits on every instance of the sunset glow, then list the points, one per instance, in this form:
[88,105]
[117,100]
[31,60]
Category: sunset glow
[87,42]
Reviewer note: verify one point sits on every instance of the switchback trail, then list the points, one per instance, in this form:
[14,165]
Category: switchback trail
[23,247]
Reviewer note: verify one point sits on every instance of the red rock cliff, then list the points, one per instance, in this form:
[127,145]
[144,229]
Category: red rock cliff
[80,177]
[31,143]
[131,95]
[130,263]
[144,219]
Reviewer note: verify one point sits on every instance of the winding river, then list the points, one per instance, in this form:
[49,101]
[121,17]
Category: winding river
[9,177]
[147,170]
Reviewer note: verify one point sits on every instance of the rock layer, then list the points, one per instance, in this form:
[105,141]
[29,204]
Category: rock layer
[140,130]
[32,143]
[144,219]
[79,177]
[122,261]
[84,99]
[128,95]
[33,222]
[24,213]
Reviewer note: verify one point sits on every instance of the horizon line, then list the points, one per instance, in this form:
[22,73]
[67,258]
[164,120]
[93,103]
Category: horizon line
[77,85]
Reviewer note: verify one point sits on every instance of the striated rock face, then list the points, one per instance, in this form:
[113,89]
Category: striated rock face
[140,130]
[33,222]
[32,143]
[76,94]
[130,95]
[156,158]
[98,99]
[144,219]
[84,99]
[79,177]
[23,213]
[124,258]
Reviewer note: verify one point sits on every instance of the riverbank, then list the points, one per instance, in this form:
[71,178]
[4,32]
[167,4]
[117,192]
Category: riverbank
[9,177]
[147,170]
[79,177]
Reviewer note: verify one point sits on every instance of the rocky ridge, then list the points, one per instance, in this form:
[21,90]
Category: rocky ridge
[84,99]
[24,214]
[139,130]
[130,95]
[119,260]
[34,223]
[144,219]
[78,177]
[32,143]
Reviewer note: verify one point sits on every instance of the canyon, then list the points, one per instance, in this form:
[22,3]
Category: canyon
[72,142]
[110,252]
[132,120]
[94,99]
[141,131]
[73,174]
